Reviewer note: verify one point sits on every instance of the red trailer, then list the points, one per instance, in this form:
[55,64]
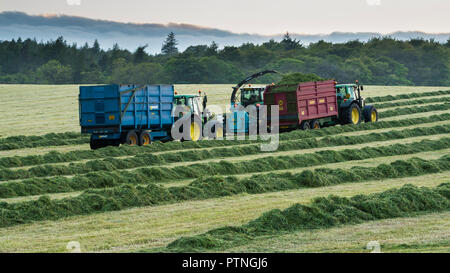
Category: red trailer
[306,105]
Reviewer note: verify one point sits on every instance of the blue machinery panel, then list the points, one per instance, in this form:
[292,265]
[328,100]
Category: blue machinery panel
[108,111]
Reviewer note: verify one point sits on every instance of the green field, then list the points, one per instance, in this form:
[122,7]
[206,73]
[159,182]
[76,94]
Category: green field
[184,196]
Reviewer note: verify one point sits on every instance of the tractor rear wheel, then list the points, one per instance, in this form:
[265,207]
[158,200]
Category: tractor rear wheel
[314,124]
[305,125]
[353,114]
[370,113]
[145,138]
[132,138]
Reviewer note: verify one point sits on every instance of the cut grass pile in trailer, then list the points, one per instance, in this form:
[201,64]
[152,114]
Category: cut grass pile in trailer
[324,212]
[104,179]
[289,82]
[141,160]
[298,77]
[126,196]
[125,150]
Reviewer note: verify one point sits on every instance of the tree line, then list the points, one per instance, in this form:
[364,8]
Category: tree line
[381,61]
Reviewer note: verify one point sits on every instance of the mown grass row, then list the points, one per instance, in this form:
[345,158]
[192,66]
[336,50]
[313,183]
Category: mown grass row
[51,139]
[142,160]
[323,212]
[411,102]
[127,196]
[407,96]
[125,150]
[102,179]
[413,110]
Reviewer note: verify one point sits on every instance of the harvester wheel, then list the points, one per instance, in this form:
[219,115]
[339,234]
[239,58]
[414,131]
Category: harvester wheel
[305,125]
[132,138]
[315,124]
[145,138]
[353,114]
[370,113]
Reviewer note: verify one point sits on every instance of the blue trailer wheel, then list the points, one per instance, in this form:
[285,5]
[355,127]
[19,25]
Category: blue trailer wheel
[144,138]
[132,138]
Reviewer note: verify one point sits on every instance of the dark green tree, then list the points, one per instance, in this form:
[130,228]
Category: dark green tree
[96,46]
[213,49]
[140,55]
[54,72]
[170,45]
[290,43]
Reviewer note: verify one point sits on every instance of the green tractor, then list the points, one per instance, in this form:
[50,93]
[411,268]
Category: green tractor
[199,115]
[352,107]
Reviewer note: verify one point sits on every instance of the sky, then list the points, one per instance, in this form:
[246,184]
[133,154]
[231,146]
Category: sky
[265,17]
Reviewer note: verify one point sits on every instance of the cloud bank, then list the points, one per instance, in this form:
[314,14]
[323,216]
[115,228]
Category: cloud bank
[128,35]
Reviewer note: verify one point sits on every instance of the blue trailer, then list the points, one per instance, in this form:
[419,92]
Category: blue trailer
[133,114]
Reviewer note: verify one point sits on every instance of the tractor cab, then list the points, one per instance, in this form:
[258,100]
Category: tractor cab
[190,102]
[352,107]
[252,96]
[195,106]
[349,93]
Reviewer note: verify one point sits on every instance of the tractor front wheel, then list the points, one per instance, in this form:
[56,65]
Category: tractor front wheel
[353,114]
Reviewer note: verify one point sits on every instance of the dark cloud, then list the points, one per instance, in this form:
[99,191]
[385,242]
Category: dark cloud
[102,26]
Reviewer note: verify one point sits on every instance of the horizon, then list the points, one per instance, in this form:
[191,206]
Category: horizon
[248,18]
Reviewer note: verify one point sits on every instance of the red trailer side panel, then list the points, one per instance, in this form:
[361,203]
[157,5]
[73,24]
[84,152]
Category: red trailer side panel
[316,100]
[305,101]
[282,103]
